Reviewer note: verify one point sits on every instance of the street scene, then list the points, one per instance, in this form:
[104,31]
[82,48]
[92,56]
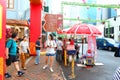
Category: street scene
[102,71]
[59,39]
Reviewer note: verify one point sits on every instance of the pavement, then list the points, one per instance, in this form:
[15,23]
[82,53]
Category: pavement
[35,72]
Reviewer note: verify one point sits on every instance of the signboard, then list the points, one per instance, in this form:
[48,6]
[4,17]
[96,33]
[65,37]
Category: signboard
[0,21]
[52,22]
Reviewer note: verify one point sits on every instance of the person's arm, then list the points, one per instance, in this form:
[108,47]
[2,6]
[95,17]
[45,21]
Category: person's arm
[8,45]
[37,44]
[7,53]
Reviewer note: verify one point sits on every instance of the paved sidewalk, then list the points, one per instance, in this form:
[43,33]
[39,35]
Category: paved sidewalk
[35,72]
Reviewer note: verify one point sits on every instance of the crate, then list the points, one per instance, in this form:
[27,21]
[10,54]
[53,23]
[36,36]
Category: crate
[90,61]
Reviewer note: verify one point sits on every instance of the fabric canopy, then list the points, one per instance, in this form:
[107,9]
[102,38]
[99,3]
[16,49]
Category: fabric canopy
[14,22]
[83,29]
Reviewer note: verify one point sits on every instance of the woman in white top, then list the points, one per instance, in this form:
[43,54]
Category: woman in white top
[24,48]
[50,51]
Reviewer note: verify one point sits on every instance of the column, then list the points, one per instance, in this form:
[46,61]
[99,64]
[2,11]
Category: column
[2,37]
[35,25]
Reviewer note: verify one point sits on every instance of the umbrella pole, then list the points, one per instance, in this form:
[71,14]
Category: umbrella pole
[82,45]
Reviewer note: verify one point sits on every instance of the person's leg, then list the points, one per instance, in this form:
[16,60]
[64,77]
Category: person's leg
[16,64]
[22,58]
[8,63]
[37,61]
[51,63]
[57,55]
[46,62]
[60,55]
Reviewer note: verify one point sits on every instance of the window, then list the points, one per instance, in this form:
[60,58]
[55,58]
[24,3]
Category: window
[10,4]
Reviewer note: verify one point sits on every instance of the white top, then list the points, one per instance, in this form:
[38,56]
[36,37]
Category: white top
[24,45]
[59,45]
[51,48]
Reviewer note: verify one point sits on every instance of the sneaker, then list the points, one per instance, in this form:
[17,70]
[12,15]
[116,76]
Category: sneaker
[44,67]
[51,70]
[36,63]
[20,73]
[7,75]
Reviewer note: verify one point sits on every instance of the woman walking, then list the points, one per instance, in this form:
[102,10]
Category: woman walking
[50,52]
[24,49]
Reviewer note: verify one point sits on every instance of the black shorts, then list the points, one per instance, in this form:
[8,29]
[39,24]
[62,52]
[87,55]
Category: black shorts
[11,59]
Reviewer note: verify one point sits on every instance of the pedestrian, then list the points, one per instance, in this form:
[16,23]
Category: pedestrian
[11,52]
[59,52]
[38,47]
[116,75]
[50,52]
[24,52]
[71,41]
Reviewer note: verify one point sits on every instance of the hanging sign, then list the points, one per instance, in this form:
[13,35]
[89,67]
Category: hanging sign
[53,22]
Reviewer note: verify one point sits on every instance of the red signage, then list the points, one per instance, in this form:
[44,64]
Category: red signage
[53,22]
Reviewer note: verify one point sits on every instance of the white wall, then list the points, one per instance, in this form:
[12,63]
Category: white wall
[116,25]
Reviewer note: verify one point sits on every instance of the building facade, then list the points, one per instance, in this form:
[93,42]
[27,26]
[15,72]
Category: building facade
[15,14]
[114,28]
[16,8]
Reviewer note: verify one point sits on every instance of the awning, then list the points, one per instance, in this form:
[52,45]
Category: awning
[14,22]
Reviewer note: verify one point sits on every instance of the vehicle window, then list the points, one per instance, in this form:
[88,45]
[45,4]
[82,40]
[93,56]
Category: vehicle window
[105,41]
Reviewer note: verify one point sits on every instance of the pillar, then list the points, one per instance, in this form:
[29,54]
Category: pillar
[35,25]
[2,37]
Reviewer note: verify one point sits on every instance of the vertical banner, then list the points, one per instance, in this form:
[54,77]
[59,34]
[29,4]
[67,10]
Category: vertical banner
[0,21]
[2,37]
[92,43]
[35,25]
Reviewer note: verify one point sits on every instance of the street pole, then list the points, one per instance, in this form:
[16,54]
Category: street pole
[82,44]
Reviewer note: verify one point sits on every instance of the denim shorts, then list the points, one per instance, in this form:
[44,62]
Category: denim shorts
[50,54]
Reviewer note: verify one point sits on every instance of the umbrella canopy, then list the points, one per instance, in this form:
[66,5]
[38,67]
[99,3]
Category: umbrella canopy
[83,29]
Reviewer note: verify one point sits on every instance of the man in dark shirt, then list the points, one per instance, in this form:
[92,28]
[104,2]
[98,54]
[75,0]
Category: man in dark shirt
[38,46]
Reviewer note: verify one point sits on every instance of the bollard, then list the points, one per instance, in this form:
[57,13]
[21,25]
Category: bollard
[65,58]
[72,69]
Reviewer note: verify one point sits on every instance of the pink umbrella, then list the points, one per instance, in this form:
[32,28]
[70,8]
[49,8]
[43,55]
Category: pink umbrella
[83,29]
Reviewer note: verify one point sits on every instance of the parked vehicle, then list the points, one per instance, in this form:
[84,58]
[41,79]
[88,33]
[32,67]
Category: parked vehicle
[106,43]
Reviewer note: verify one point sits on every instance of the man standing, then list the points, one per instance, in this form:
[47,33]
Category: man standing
[11,55]
[38,46]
